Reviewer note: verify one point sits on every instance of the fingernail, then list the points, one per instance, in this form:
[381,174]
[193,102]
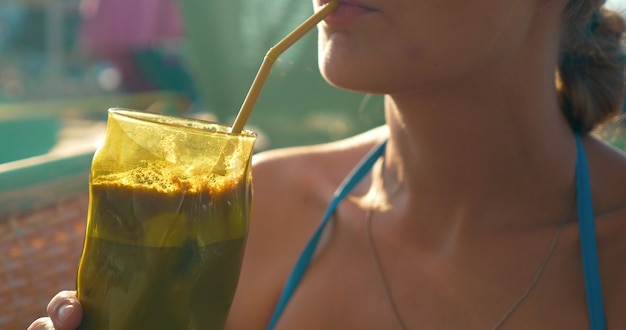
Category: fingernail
[65,312]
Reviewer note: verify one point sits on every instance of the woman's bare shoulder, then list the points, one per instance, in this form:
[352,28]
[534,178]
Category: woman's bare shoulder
[291,190]
[607,172]
[293,186]
[611,236]
[607,167]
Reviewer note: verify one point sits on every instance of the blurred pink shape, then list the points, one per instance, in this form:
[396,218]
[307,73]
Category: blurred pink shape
[117,26]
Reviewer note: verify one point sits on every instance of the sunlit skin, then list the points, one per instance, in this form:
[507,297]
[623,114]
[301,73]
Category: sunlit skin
[479,171]
[407,46]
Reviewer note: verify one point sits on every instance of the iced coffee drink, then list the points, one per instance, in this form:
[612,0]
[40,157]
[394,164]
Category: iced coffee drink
[168,217]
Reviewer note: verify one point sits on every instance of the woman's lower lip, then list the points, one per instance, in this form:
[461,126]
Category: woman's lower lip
[346,14]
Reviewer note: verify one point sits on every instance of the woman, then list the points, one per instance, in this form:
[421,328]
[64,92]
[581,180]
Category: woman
[469,218]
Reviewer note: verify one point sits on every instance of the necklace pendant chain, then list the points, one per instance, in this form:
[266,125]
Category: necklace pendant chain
[544,262]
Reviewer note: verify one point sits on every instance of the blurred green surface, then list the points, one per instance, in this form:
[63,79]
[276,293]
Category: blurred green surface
[23,138]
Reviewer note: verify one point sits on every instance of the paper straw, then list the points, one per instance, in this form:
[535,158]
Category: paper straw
[270,58]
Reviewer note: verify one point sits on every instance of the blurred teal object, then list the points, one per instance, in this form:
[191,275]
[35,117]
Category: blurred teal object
[27,137]
[227,41]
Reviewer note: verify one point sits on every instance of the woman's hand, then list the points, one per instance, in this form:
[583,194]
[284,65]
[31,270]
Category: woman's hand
[64,313]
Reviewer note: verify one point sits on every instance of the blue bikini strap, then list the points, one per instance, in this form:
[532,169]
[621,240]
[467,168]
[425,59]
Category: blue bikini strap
[351,181]
[585,221]
[586,227]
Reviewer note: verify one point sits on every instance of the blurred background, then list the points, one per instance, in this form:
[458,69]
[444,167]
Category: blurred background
[72,53]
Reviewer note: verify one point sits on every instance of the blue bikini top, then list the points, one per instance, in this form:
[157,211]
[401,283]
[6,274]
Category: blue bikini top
[586,225]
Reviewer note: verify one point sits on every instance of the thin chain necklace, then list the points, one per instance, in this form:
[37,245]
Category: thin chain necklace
[505,316]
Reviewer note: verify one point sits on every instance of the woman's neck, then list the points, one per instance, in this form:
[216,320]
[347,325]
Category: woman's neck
[488,148]
[466,157]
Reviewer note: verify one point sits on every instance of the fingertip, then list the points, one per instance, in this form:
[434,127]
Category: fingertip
[67,317]
[42,323]
[65,311]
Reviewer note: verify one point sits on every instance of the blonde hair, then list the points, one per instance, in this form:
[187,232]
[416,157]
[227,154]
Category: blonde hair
[590,74]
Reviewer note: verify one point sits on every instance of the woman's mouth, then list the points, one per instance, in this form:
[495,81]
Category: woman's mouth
[347,13]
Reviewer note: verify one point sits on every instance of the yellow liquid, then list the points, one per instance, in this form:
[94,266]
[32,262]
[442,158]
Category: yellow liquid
[156,260]
[134,287]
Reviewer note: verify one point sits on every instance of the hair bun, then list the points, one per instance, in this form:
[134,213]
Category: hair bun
[590,77]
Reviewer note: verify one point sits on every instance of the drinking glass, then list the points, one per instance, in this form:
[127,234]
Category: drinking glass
[169,207]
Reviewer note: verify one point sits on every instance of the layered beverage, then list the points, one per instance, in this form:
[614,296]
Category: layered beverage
[168,217]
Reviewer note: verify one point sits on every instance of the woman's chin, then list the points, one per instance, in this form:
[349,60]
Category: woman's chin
[341,68]
[358,83]
[354,73]
[344,79]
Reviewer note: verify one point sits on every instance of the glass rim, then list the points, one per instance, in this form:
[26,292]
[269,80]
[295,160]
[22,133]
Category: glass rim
[195,124]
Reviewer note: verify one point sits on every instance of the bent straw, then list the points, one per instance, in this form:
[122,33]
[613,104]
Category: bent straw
[270,58]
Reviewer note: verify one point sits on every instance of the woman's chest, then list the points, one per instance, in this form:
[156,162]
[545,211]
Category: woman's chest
[345,287]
